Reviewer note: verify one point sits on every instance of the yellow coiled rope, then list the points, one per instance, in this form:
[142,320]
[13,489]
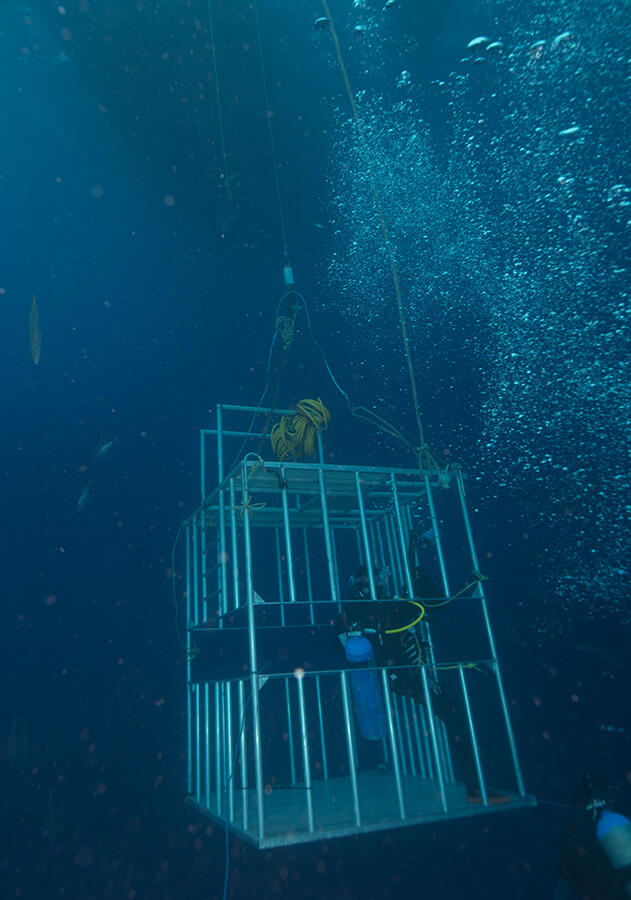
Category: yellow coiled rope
[294,436]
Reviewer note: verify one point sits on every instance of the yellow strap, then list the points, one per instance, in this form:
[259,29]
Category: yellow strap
[411,624]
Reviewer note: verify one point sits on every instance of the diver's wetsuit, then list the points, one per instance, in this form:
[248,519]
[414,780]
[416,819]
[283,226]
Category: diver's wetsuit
[585,871]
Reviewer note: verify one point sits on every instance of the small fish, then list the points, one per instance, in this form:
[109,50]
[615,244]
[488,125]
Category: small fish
[102,450]
[50,822]
[612,729]
[35,332]
[83,496]
[17,749]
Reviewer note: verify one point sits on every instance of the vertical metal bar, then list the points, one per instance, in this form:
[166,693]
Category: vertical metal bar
[393,550]
[474,740]
[202,517]
[327,537]
[195,576]
[198,755]
[442,748]
[222,572]
[220,472]
[434,739]
[229,751]
[244,763]
[325,765]
[422,712]
[325,768]
[287,530]
[397,722]
[445,752]
[410,526]
[189,710]
[437,734]
[360,549]
[235,547]
[393,742]
[382,551]
[279,575]
[408,734]
[448,756]
[281,598]
[373,543]
[417,736]
[425,629]
[202,464]
[218,750]
[365,538]
[436,530]
[335,565]
[256,720]
[399,529]
[320,448]
[225,763]
[350,747]
[290,730]
[207,742]
[306,763]
[203,566]
[487,622]
[305,542]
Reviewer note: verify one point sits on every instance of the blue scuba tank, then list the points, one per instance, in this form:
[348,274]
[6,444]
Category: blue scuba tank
[366,689]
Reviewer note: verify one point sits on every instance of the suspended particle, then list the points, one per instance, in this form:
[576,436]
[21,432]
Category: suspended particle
[535,51]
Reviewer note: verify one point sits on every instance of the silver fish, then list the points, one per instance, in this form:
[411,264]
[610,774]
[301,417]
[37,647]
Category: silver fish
[102,450]
[83,496]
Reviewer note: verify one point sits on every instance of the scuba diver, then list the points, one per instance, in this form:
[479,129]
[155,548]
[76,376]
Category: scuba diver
[595,858]
[397,647]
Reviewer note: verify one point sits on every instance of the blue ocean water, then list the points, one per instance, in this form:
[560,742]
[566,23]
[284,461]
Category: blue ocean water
[504,177]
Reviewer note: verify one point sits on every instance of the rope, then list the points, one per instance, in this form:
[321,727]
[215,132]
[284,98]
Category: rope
[246,506]
[226,178]
[477,580]
[422,451]
[189,652]
[270,130]
[362,412]
[294,436]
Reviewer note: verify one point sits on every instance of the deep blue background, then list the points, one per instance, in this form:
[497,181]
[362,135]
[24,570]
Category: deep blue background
[151,313]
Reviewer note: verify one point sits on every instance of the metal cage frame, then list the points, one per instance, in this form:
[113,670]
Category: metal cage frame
[273,749]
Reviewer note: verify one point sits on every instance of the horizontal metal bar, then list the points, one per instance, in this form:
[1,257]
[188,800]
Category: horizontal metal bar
[257,409]
[225,433]
[337,467]
[311,673]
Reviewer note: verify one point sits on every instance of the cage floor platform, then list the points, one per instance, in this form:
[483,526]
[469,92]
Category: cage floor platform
[286,813]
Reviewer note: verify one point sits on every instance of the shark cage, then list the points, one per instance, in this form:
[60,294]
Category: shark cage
[291,738]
